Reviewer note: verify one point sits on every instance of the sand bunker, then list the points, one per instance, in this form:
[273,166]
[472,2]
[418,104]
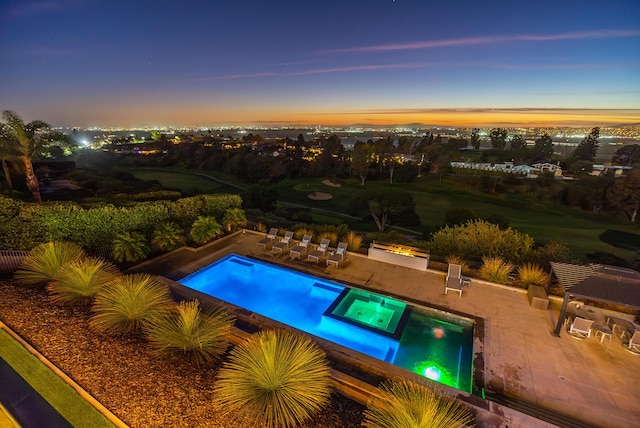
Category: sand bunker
[331,183]
[320,196]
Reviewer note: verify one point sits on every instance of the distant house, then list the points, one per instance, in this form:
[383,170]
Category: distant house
[546,167]
[604,169]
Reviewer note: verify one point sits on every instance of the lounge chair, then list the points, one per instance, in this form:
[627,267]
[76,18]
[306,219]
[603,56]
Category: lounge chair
[268,240]
[580,328]
[284,242]
[301,248]
[454,279]
[634,343]
[320,251]
[339,255]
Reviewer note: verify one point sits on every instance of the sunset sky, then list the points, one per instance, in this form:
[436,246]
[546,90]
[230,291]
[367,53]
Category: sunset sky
[384,62]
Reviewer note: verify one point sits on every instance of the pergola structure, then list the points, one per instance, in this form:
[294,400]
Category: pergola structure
[601,283]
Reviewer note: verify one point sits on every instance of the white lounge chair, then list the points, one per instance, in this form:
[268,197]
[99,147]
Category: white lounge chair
[268,240]
[634,343]
[580,328]
[454,279]
[339,255]
[284,243]
[320,251]
[301,248]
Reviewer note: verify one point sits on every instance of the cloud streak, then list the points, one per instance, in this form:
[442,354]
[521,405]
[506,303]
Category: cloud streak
[487,40]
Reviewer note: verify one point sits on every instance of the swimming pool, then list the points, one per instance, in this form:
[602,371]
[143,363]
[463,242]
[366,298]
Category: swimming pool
[426,341]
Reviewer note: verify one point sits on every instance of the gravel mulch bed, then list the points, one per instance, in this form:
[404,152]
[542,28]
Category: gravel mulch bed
[142,389]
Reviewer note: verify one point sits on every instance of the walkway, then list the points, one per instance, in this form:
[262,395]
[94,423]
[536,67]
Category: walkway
[588,381]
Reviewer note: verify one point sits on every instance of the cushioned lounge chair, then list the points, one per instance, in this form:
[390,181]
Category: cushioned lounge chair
[339,255]
[269,239]
[634,343]
[454,279]
[320,251]
[301,248]
[580,328]
[284,242]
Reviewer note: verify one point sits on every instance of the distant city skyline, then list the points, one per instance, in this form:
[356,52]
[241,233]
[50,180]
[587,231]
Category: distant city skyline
[457,63]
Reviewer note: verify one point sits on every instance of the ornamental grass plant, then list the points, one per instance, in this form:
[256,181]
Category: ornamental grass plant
[531,274]
[44,261]
[353,240]
[129,304]
[79,281]
[496,269]
[404,404]
[275,378]
[191,333]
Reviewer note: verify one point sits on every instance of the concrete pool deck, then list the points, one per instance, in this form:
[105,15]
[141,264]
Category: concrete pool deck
[593,383]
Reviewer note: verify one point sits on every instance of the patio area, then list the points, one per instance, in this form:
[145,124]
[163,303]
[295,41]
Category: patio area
[590,381]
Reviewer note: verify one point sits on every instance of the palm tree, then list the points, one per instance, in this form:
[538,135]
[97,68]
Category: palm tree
[276,378]
[205,229]
[21,141]
[168,236]
[189,332]
[130,247]
[130,303]
[234,218]
[44,262]
[403,404]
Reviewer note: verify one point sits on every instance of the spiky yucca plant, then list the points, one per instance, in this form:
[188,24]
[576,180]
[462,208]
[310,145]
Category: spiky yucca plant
[531,274]
[205,229]
[353,240]
[405,404]
[496,269]
[80,281]
[44,261]
[129,303]
[276,378]
[130,247]
[189,332]
[168,236]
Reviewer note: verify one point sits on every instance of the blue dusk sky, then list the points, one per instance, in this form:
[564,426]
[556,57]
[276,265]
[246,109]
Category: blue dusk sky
[211,63]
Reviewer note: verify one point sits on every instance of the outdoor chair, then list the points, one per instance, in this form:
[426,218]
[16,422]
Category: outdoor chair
[268,240]
[580,328]
[454,279]
[284,243]
[302,247]
[339,255]
[320,251]
[634,343]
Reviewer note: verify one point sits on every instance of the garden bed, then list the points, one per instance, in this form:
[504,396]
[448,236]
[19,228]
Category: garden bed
[142,389]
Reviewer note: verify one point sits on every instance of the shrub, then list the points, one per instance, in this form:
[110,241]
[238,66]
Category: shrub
[276,377]
[129,304]
[353,240]
[453,259]
[130,247]
[496,269]
[405,404]
[168,236]
[234,219]
[530,274]
[204,229]
[44,262]
[80,280]
[188,332]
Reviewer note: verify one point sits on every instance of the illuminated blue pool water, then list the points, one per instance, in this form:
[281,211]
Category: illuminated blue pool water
[428,342]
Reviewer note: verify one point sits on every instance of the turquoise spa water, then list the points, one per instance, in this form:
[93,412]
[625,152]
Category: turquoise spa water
[431,343]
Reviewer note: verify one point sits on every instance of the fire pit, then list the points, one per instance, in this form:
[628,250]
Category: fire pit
[399,255]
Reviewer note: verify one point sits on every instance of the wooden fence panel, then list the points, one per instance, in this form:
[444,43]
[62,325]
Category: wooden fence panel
[10,260]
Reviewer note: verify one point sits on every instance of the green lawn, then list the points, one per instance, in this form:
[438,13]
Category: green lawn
[52,388]
[544,221]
